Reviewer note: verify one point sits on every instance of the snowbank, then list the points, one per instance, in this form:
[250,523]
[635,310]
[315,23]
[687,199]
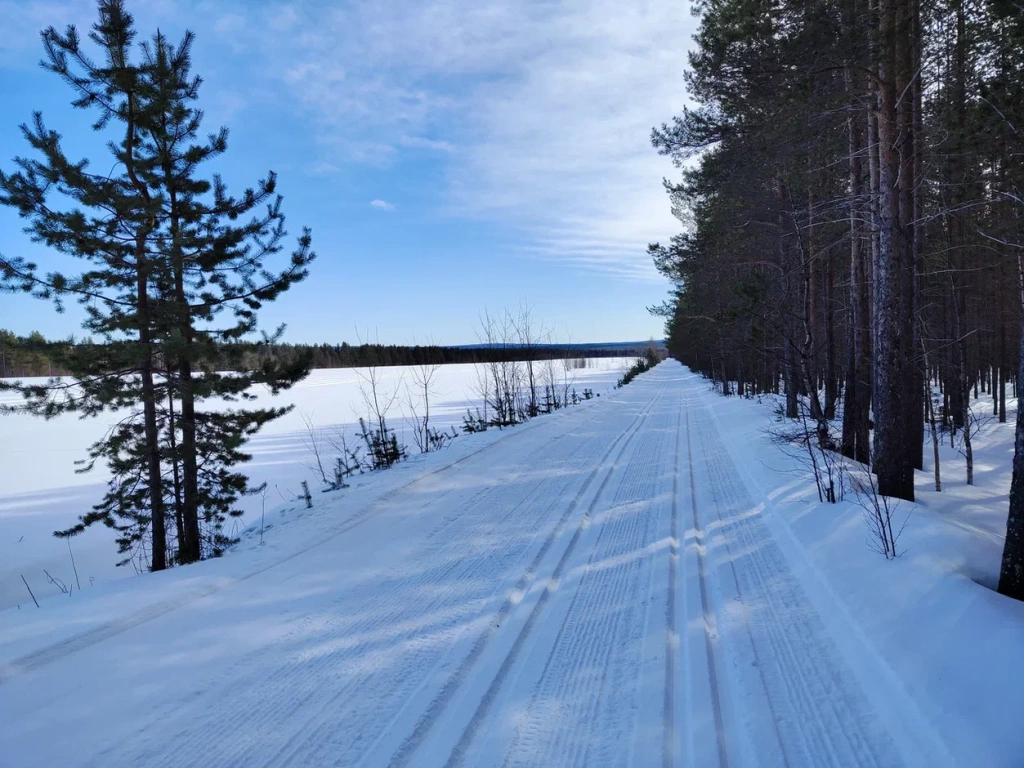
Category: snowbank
[939,633]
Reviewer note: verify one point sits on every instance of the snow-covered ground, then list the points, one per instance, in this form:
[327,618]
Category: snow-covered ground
[40,491]
[642,580]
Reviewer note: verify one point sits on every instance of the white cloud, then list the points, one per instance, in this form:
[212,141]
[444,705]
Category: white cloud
[543,108]
[382,205]
[422,142]
[20,45]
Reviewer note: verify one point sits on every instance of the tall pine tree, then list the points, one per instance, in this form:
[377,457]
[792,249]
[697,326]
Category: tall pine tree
[167,261]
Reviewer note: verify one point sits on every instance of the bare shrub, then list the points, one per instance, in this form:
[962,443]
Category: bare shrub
[505,387]
[812,444]
[347,461]
[382,447]
[316,444]
[529,334]
[879,515]
[472,423]
[418,398]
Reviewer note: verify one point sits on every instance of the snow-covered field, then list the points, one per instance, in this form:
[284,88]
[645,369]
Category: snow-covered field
[40,491]
[642,580]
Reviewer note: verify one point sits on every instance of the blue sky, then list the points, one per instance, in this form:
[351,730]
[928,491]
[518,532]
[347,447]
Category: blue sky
[449,156]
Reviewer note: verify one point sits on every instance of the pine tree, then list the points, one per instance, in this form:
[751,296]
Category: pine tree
[216,270]
[111,228]
[165,261]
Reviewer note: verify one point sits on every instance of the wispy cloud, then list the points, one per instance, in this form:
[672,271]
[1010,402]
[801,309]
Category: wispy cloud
[24,20]
[382,205]
[422,142]
[540,110]
[19,45]
[21,48]
[544,108]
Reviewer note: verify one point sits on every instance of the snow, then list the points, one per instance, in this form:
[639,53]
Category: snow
[930,617]
[40,491]
[641,580]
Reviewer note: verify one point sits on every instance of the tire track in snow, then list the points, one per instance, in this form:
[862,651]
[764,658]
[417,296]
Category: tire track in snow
[613,571]
[312,717]
[303,626]
[816,710]
[710,625]
[386,622]
[588,671]
[920,744]
[669,748]
[436,708]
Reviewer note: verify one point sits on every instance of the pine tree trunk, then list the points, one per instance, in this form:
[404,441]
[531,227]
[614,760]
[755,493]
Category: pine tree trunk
[1011,573]
[893,458]
[172,439]
[812,293]
[791,382]
[158,561]
[791,366]
[831,377]
[1002,393]
[857,403]
[1000,373]
[190,546]
[913,175]
[968,449]
[874,181]
[929,411]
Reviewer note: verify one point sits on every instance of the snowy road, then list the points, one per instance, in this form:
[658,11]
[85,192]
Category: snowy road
[597,588]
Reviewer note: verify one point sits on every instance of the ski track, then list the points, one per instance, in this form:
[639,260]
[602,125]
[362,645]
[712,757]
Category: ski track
[582,710]
[706,620]
[504,668]
[669,747]
[599,591]
[778,648]
[436,710]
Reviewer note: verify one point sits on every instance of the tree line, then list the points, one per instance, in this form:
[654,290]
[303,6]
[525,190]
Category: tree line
[852,201]
[172,271]
[35,356]
[25,356]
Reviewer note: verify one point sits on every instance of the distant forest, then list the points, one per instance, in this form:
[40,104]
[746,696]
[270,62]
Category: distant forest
[34,355]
